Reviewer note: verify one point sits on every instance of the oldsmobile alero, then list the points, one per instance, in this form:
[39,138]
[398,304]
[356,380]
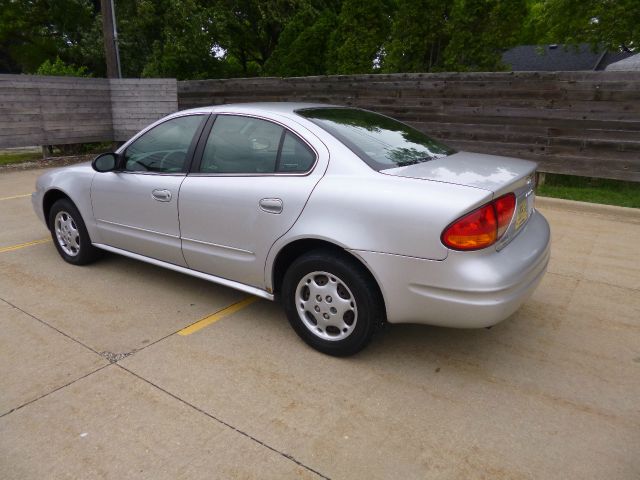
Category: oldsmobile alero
[350,218]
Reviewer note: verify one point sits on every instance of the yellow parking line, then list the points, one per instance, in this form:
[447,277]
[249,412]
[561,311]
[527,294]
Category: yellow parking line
[16,196]
[23,245]
[200,324]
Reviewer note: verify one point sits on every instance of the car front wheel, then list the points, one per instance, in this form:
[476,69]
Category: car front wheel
[332,302]
[69,234]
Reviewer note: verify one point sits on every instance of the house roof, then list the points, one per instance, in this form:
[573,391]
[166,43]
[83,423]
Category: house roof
[559,58]
[631,63]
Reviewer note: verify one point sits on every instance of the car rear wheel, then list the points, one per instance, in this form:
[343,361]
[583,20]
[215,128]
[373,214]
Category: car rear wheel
[332,302]
[70,234]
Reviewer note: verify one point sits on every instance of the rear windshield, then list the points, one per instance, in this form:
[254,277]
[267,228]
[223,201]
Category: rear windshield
[380,141]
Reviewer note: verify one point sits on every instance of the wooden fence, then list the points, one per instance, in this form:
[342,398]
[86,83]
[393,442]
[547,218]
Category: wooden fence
[580,123]
[36,110]
[135,103]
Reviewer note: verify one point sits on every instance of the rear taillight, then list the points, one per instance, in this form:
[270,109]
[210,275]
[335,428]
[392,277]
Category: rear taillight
[505,206]
[481,228]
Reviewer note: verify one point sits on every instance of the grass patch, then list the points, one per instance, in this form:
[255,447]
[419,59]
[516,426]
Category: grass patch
[7,158]
[594,190]
[21,155]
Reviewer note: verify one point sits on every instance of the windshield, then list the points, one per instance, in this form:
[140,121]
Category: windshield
[380,141]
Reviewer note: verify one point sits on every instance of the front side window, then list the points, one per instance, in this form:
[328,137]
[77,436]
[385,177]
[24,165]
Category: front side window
[248,145]
[379,141]
[163,149]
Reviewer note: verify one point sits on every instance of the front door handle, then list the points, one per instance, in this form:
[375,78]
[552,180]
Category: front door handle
[271,205]
[161,195]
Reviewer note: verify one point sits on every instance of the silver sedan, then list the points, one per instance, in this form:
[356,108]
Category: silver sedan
[350,218]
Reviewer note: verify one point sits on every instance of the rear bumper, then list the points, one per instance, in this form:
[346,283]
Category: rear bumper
[467,289]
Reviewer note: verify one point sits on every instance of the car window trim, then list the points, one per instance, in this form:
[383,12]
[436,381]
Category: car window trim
[194,167]
[190,151]
[204,137]
[276,168]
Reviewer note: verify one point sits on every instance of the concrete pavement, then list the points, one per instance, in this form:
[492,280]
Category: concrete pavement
[550,393]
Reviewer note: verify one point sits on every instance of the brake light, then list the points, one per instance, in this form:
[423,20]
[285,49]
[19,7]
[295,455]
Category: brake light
[505,206]
[481,228]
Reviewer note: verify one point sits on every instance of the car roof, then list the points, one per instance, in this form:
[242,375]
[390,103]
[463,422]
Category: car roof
[260,107]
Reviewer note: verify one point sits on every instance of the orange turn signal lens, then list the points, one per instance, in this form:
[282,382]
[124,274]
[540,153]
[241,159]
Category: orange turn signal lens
[482,227]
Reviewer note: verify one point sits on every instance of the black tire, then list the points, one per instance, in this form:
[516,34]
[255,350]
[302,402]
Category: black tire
[368,306]
[86,253]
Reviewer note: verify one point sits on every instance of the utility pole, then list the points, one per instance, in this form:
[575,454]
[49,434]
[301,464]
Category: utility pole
[110,39]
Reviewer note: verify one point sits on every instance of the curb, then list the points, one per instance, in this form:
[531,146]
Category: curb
[612,212]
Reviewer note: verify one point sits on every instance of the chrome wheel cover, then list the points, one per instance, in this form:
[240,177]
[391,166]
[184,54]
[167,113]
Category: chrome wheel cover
[326,306]
[67,233]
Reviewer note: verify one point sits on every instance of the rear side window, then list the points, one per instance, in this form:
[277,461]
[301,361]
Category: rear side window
[248,145]
[295,156]
[241,145]
[380,141]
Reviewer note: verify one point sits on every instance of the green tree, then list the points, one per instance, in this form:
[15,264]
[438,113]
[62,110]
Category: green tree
[419,34]
[302,48]
[602,23]
[186,47]
[480,30]
[222,38]
[141,25]
[61,69]
[250,29]
[33,31]
[363,28]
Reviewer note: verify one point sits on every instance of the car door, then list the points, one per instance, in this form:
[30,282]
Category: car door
[136,207]
[251,181]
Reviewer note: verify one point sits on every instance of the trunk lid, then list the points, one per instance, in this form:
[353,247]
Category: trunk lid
[488,172]
[499,175]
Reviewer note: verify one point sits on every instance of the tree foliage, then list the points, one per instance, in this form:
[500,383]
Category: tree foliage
[607,23]
[225,38]
[61,69]
[33,31]
[186,45]
[480,30]
[419,35]
[361,31]
[303,46]
[250,29]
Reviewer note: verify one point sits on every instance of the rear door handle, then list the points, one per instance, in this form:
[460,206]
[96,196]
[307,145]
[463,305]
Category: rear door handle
[271,205]
[161,195]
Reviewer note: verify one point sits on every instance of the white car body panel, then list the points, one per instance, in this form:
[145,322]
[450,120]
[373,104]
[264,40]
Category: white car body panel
[219,217]
[219,214]
[478,170]
[73,181]
[463,291]
[406,224]
[128,217]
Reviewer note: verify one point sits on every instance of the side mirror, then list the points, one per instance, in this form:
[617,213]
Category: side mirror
[105,162]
